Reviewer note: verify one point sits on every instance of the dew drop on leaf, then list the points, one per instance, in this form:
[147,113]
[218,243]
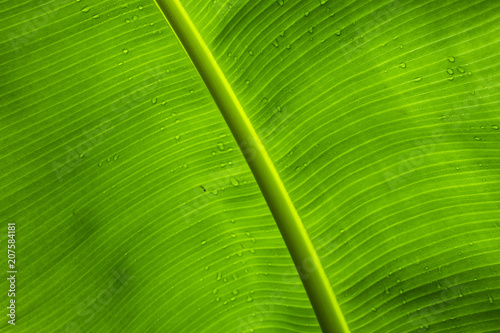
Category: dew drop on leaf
[275,43]
[402,65]
[417,79]
[310,30]
[125,51]
[234,181]
[495,127]
[451,59]
[281,2]
[461,70]
[449,71]
[220,145]
[154,100]
[96,16]
[86,9]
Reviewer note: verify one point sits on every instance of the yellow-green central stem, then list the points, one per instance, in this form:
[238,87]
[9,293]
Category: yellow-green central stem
[306,260]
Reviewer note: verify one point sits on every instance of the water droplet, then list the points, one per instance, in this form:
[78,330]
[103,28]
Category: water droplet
[177,137]
[477,138]
[140,7]
[282,33]
[297,169]
[231,220]
[219,276]
[249,298]
[417,79]
[402,65]
[374,309]
[218,299]
[233,235]
[96,16]
[461,70]
[82,155]
[125,51]
[401,291]
[220,145]
[235,292]
[100,164]
[306,14]
[115,157]
[234,181]
[127,21]
[204,242]
[449,71]
[154,100]
[247,82]
[310,29]
[495,127]
[322,2]
[281,2]
[275,43]
[264,100]
[338,32]
[490,299]
[451,59]
[86,9]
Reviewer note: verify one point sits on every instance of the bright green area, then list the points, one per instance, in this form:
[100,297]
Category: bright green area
[381,117]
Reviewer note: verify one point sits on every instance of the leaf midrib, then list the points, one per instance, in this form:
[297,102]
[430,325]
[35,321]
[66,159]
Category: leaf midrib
[306,260]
